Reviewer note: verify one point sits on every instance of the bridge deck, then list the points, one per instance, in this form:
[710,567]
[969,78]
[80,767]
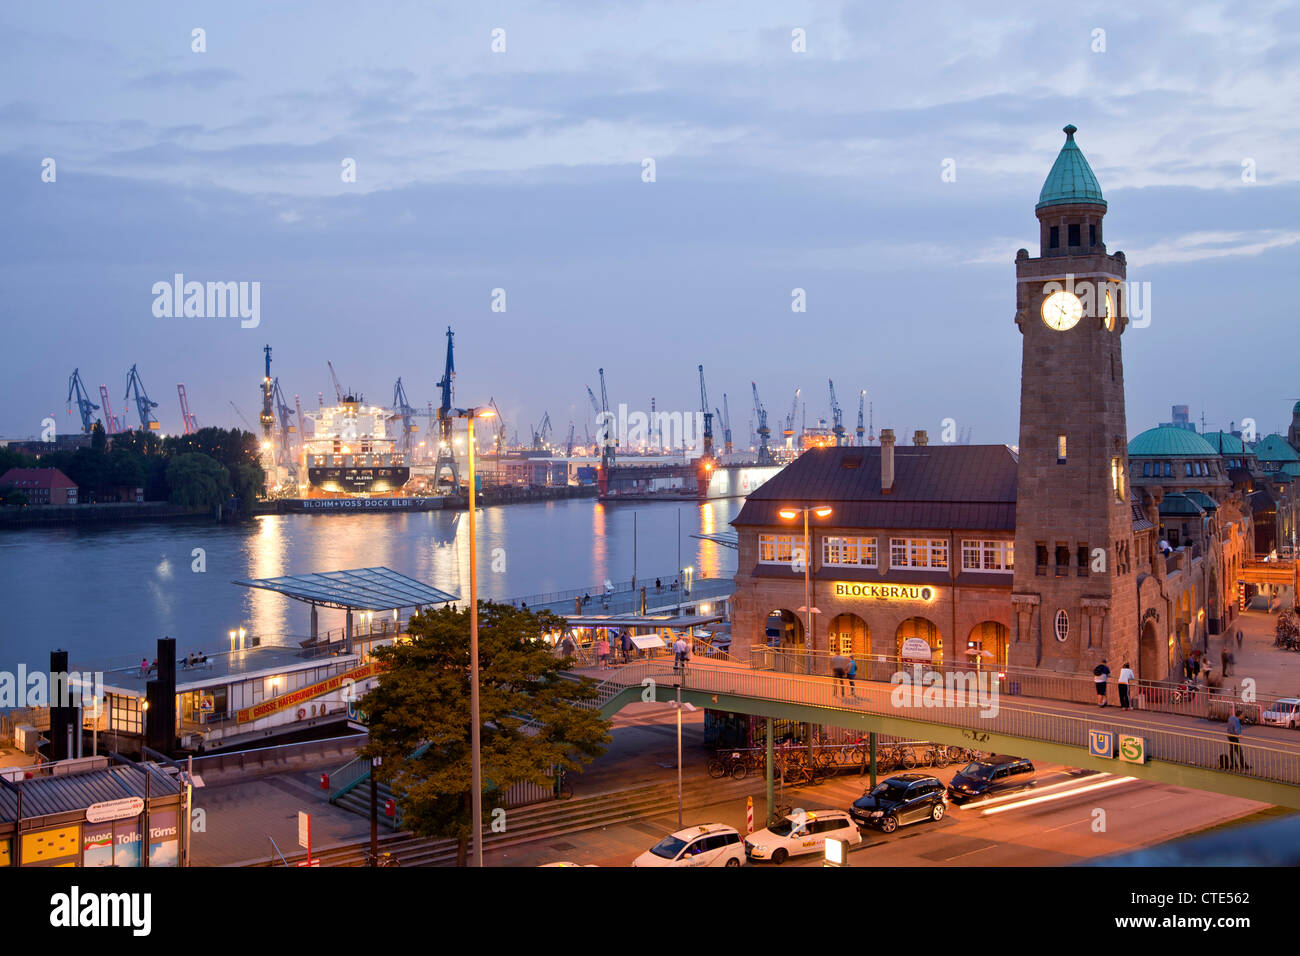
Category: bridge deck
[1180,749]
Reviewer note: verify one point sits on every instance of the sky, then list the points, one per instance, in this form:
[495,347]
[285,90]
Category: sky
[524,169]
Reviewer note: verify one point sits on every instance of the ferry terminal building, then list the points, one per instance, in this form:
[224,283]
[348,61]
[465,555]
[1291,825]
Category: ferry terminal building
[1049,557]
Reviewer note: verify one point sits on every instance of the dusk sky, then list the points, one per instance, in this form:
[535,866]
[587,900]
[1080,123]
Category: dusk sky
[522,170]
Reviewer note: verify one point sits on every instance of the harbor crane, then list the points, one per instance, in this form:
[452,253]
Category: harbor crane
[191,423]
[499,422]
[267,418]
[610,439]
[338,389]
[241,415]
[539,433]
[788,433]
[402,409]
[446,452]
[837,416]
[707,451]
[284,418]
[568,451]
[760,413]
[144,407]
[84,405]
[112,425]
[861,431]
[726,426]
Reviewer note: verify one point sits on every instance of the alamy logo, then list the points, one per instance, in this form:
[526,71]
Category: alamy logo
[58,689]
[657,429]
[211,300]
[76,909]
[919,687]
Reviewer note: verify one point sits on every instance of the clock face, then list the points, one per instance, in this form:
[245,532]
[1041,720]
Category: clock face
[1062,310]
[1110,312]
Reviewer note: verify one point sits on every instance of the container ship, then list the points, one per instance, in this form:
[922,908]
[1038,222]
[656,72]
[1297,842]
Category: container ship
[351,453]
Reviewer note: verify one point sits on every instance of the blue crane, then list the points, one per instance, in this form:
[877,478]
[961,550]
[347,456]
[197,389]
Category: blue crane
[446,419]
[84,405]
[405,412]
[143,406]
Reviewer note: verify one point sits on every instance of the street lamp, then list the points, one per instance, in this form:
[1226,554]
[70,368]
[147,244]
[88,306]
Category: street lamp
[789,514]
[679,706]
[476,795]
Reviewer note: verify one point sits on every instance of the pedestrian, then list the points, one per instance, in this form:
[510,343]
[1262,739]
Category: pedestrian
[627,647]
[1238,638]
[1196,665]
[1223,659]
[681,653]
[838,666]
[1232,664]
[1235,752]
[144,667]
[1100,673]
[602,650]
[851,673]
[1125,679]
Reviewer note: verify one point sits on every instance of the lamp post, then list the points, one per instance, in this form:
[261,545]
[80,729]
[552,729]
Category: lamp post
[789,514]
[476,795]
[678,705]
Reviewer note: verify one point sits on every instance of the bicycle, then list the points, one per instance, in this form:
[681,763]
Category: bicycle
[938,756]
[381,859]
[563,788]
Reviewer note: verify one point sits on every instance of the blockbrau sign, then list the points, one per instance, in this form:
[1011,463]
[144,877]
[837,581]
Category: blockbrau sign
[885,592]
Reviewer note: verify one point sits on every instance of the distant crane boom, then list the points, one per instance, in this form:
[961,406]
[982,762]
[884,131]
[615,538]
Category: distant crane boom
[338,389]
[726,425]
[144,407]
[837,416]
[760,413]
[191,423]
[111,425]
[707,450]
[84,405]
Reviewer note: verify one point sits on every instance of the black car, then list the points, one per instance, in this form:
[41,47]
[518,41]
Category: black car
[991,777]
[905,798]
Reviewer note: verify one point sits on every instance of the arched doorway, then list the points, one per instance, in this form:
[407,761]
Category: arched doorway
[1149,653]
[783,629]
[988,636]
[849,635]
[919,627]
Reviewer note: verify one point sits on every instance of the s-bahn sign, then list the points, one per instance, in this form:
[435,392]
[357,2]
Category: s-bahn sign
[923,593]
[285,701]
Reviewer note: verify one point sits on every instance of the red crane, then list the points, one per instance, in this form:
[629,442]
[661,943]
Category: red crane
[191,423]
[110,423]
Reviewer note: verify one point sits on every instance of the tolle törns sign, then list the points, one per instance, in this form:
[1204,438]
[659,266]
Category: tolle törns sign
[885,592]
[293,698]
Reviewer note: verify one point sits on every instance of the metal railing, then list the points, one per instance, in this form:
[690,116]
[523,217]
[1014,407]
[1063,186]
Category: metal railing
[1270,762]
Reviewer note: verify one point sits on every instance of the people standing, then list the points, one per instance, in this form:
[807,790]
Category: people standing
[627,647]
[681,652]
[851,673]
[1238,638]
[838,666]
[1125,680]
[1101,673]
[602,650]
[1235,752]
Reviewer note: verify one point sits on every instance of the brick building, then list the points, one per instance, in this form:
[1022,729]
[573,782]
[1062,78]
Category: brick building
[42,486]
[921,542]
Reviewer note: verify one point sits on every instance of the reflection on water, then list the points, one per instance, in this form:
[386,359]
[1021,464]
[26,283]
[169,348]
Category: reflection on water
[109,593]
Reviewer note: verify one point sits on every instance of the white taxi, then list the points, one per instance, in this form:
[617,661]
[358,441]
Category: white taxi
[711,844]
[804,831]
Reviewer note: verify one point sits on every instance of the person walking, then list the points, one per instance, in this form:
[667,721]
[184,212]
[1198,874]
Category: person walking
[1238,638]
[1235,752]
[1100,674]
[1125,679]
[851,673]
[681,652]
[627,647]
[838,666]
[602,651]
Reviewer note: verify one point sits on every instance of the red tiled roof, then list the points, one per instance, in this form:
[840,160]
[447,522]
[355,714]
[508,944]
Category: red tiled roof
[36,478]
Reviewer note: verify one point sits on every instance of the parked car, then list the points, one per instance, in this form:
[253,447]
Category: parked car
[801,833]
[901,799]
[1283,713]
[711,844]
[991,777]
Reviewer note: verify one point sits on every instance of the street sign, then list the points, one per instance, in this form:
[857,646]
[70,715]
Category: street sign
[1101,743]
[1132,749]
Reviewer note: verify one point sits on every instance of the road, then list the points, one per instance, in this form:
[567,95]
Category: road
[1025,830]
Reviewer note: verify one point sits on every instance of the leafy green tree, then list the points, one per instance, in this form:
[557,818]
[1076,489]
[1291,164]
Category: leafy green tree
[98,440]
[530,721]
[9,495]
[13,459]
[248,481]
[126,469]
[197,481]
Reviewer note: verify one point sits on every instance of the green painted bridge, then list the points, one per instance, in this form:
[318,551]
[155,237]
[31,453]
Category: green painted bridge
[1183,751]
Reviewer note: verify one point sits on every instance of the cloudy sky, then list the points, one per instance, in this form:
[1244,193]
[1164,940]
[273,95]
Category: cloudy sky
[522,170]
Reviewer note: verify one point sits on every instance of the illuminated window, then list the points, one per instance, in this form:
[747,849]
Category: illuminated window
[978,555]
[778,548]
[1060,449]
[1117,478]
[849,552]
[918,553]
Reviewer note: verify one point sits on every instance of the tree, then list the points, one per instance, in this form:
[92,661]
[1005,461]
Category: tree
[248,481]
[531,718]
[197,481]
[9,495]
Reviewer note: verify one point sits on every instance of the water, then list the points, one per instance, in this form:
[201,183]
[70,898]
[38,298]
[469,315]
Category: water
[107,593]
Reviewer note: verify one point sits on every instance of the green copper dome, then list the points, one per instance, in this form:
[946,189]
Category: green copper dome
[1275,448]
[1071,179]
[1296,409]
[1169,442]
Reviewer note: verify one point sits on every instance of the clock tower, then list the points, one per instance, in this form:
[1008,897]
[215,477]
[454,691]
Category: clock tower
[1074,594]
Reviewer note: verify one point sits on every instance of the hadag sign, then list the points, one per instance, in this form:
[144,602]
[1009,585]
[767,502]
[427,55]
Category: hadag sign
[885,592]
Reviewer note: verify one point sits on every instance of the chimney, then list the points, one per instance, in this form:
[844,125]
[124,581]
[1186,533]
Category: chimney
[886,460]
[920,438]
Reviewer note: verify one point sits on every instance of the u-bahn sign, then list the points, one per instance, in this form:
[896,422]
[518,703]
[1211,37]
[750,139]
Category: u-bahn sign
[923,593]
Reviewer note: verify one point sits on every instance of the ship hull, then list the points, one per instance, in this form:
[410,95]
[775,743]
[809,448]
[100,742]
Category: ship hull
[377,480]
